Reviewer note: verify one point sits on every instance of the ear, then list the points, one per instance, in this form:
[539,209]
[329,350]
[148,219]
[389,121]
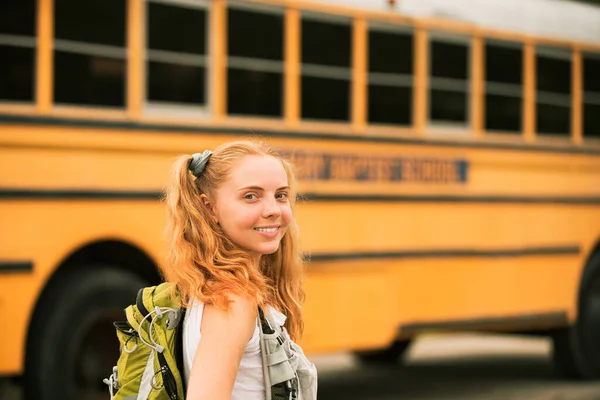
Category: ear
[206,203]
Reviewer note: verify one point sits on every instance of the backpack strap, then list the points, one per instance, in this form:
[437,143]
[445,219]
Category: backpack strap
[272,392]
[282,390]
[261,332]
[264,323]
[179,349]
[139,302]
[167,375]
[168,378]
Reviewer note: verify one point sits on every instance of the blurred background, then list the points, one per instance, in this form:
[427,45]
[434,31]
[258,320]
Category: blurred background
[448,156]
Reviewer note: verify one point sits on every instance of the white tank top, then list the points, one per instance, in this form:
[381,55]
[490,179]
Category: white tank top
[249,382]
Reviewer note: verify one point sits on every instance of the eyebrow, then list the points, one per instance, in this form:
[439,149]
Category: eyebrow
[258,188]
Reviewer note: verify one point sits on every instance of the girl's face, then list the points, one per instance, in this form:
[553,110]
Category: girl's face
[252,205]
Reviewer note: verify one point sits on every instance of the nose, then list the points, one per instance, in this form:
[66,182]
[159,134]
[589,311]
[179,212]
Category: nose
[271,208]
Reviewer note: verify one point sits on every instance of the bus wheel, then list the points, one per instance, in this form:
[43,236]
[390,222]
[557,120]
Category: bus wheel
[72,344]
[576,349]
[389,355]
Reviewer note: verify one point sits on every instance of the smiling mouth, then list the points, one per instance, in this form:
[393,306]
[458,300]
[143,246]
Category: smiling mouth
[267,230]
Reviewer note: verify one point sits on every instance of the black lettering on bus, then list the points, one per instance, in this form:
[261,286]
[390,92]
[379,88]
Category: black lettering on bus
[341,168]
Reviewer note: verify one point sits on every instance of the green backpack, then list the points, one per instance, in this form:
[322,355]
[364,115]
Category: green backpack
[151,362]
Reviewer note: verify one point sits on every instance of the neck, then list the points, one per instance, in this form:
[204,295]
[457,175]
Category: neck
[256,261]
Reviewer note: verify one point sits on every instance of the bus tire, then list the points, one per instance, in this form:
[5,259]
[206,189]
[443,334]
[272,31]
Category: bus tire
[576,349]
[72,344]
[388,355]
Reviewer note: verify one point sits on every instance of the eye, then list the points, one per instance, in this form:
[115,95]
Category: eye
[282,196]
[250,196]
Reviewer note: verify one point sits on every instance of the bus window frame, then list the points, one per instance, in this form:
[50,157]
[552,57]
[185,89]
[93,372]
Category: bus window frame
[315,70]
[263,65]
[158,109]
[28,42]
[89,49]
[408,81]
[510,43]
[441,127]
[595,95]
[560,52]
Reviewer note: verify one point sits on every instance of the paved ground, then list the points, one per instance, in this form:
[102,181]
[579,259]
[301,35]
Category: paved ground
[448,368]
[455,367]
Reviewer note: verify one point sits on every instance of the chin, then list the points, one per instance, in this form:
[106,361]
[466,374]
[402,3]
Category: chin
[267,251]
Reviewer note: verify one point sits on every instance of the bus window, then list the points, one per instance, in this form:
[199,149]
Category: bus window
[89,52]
[17,50]
[591,95]
[553,91]
[255,61]
[503,86]
[177,54]
[326,68]
[449,80]
[390,68]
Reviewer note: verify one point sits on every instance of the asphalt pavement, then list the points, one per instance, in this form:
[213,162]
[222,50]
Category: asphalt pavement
[446,367]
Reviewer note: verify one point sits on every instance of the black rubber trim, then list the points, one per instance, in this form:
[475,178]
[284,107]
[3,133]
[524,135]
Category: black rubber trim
[27,266]
[211,130]
[82,194]
[510,323]
[77,194]
[179,347]
[264,324]
[169,382]
[124,327]
[451,199]
[14,267]
[445,253]
[139,302]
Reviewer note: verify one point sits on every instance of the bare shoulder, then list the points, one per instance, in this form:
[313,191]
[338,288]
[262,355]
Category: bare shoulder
[225,335]
[240,317]
[242,304]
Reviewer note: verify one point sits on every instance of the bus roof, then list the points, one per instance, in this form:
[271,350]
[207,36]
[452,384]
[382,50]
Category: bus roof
[561,19]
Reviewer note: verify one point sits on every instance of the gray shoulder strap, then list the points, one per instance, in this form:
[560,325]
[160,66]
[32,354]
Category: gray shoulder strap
[263,353]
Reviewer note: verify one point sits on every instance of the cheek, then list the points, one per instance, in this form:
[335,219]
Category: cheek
[286,214]
[244,216]
[232,218]
[247,219]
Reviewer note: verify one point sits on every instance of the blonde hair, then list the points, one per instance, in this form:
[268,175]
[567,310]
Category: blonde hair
[205,264]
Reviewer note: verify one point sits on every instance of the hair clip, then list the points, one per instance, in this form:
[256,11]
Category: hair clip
[199,161]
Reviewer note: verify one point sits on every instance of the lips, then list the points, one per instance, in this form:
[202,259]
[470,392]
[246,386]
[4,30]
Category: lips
[267,229]
[268,232]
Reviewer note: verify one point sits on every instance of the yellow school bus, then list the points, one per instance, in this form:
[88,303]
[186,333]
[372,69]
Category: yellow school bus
[449,171]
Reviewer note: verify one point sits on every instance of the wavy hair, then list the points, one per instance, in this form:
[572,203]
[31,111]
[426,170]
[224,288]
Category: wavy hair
[206,264]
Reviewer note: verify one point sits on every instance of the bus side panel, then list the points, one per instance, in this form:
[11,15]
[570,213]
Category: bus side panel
[44,233]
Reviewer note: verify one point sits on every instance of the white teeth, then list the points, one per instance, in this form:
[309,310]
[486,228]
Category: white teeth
[265,229]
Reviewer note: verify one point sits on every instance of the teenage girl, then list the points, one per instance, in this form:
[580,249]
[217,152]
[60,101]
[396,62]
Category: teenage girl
[232,249]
